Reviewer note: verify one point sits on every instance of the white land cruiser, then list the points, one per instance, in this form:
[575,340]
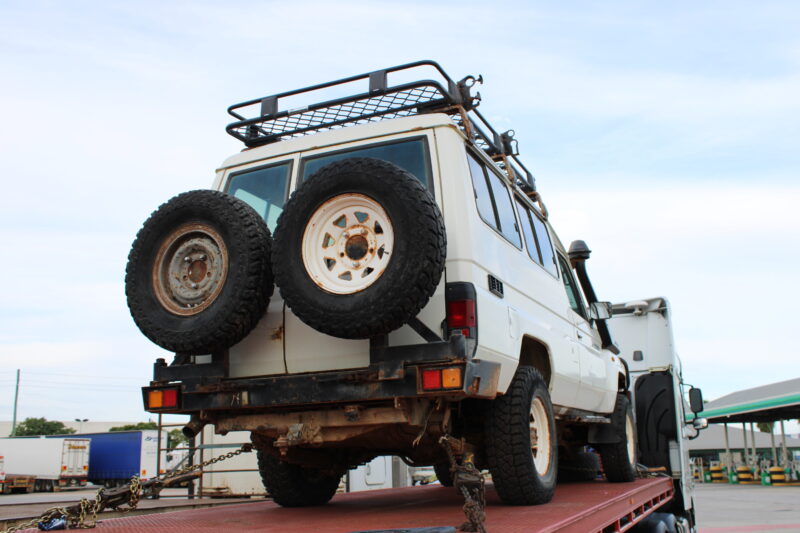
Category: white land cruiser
[421,294]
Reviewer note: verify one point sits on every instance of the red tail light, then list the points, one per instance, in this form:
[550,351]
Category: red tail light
[161,399]
[461,314]
[170,398]
[431,379]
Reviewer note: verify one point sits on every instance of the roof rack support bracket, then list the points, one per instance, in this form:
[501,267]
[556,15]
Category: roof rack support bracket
[269,106]
[378,82]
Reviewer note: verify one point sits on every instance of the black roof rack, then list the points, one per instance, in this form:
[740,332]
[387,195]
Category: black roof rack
[379,102]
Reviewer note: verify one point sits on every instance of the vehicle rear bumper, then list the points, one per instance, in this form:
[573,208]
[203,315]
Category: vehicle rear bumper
[395,372]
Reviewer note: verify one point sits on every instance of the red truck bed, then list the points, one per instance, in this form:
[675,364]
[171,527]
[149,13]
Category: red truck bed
[576,508]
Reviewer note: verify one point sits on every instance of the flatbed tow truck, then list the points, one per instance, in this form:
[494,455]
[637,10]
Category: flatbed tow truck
[593,506]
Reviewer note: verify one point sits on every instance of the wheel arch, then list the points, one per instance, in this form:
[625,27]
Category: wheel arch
[535,353]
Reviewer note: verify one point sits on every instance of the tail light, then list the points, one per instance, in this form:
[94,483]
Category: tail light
[161,398]
[462,312]
[441,379]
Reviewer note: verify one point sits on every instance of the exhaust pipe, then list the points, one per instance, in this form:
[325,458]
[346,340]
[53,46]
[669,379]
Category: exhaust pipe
[193,428]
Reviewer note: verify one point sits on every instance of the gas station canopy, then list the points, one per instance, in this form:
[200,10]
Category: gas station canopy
[767,403]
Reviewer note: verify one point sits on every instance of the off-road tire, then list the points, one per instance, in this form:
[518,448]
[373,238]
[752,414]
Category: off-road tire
[618,465]
[245,290]
[443,474]
[292,485]
[413,271]
[582,466]
[508,442]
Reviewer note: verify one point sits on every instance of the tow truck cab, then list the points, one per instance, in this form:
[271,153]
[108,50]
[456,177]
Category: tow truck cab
[643,329]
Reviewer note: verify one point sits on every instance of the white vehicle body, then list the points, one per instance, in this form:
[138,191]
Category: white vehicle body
[534,308]
[422,299]
[59,461]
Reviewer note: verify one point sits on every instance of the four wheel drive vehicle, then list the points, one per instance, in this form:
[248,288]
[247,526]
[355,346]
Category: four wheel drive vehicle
[422,294]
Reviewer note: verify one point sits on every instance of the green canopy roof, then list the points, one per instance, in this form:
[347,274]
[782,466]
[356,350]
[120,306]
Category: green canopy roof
[767,403]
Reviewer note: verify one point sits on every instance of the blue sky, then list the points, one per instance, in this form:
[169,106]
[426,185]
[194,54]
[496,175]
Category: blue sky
[664,134]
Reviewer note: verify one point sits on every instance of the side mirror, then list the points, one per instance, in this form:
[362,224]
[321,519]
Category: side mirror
[600,310]
[700,423]
[696,400]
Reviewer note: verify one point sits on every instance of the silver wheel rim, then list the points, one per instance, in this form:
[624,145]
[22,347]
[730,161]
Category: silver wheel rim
[190,269]
[540,436]
[347,244]
[629,439]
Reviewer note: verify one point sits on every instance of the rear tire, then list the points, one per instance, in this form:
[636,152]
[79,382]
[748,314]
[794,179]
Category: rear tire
[359,248]
[199,278]
[582,466]
[443,474]
[521,443]
[619,458]
[292,485]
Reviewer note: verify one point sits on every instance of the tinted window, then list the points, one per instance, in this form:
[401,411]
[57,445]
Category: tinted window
[264,189]
[410,155]
[482,196]
[545,246]
[505,211]
[574,297]
[527,232]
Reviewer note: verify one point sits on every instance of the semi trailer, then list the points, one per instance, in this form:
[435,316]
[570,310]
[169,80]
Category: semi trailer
[43,464]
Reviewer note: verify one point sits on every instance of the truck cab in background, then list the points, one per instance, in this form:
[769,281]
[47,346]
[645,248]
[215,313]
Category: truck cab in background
[643,329]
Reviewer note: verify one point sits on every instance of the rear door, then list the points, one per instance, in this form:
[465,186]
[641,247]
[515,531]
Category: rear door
[308,350]
[265,187]
[75,458]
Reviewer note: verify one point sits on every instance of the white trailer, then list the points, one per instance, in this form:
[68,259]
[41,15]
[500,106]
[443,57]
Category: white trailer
[44,464]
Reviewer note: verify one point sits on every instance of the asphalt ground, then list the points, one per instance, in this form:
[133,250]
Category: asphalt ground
[722,508]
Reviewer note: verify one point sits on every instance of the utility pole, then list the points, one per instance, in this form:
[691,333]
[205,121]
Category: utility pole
[16,397]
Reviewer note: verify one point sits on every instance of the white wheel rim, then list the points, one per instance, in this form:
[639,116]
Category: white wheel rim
[347,244]
[629,437]
[540,436]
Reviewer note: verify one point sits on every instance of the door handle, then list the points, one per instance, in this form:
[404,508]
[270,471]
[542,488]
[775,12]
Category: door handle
[580,336]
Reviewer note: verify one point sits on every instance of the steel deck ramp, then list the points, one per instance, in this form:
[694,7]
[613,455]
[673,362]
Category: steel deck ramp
[576,508]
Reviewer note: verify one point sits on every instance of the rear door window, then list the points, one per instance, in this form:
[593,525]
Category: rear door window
[409,154]
[265,189]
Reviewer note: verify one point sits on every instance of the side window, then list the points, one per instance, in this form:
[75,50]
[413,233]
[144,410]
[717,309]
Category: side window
[527,232]
[545,246]
[482,195]
[494,201]
[264,189]
[573,295]
[505,211]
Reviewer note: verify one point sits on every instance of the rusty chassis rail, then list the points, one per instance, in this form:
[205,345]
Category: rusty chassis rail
[393,373]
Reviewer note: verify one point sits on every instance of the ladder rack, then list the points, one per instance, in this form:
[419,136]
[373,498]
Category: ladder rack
[263,121]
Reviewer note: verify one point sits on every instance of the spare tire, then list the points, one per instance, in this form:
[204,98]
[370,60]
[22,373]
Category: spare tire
[198,277]
[359,248]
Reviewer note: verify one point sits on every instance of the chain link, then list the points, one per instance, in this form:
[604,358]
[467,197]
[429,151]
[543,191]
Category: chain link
[469,481]
[76,515]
